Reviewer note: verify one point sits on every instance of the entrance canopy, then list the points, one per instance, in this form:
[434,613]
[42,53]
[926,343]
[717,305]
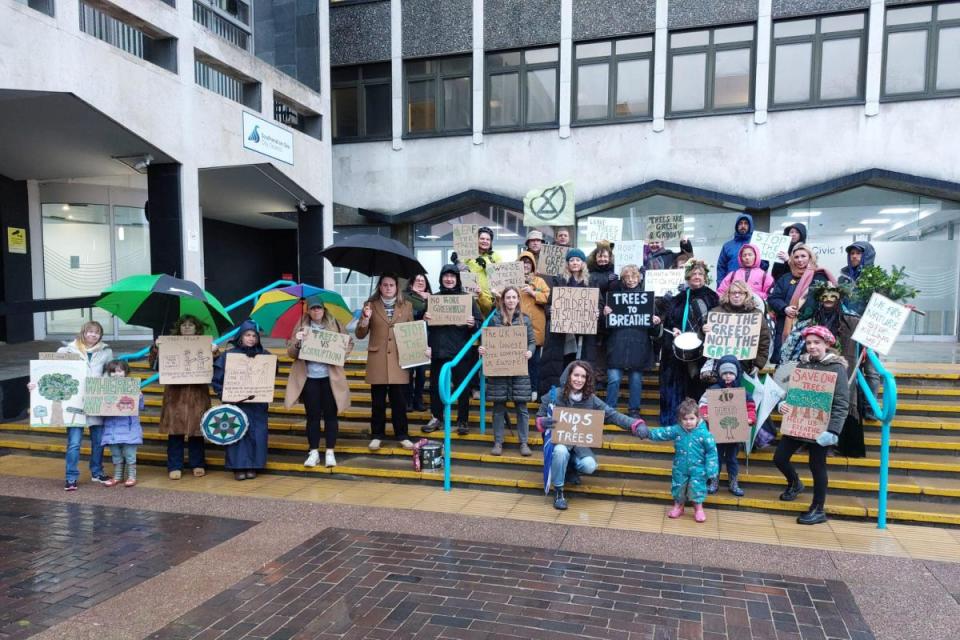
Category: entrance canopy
[254,195]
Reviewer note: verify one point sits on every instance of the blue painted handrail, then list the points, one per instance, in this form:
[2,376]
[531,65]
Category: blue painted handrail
[886,414]
[448,398]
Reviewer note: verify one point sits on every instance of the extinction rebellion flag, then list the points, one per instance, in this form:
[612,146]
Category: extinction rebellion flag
[549,207]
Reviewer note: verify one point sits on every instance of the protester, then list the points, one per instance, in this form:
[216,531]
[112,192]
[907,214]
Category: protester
[602,275]
[250,452]
[534,295]
[417,293]
[798,234]
[790,292]
[730,376]
[533,245]
[819,356]
[385,308]
[479,266]
[322,388]
[860,254]
[122,434]
[564,463]
[562,237]
[729,253]
[739,299]
[694,458]
[749,271]
[501,389]
[659,257]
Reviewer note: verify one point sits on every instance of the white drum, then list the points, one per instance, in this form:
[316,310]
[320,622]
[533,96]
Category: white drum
[688,347]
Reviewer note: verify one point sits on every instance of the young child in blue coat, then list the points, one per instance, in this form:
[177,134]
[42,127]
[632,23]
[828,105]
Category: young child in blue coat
[694,458]
[731,376]
[122,434]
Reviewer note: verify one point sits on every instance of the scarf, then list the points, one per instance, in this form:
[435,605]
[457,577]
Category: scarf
[389,305]
[576,396]
[800,295]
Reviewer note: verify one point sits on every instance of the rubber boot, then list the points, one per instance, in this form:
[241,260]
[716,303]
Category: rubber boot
[713,485]
[677,510]
[735,487]
[698,513]
[560,501]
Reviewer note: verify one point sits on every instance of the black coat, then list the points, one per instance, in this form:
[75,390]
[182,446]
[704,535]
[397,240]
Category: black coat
[447,340]
[552,356]
[778,300]
[629,347]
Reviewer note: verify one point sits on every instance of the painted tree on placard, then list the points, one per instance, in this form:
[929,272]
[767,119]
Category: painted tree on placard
[57,387]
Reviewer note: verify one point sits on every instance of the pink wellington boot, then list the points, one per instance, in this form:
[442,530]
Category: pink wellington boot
[677,510]
[698,513]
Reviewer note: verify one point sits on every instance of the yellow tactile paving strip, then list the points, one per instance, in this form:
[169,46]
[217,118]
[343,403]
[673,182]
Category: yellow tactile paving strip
[905,541]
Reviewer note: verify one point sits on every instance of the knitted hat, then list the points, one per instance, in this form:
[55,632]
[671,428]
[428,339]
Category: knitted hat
[534,235]
[820,331]
[727,367]
[576,253]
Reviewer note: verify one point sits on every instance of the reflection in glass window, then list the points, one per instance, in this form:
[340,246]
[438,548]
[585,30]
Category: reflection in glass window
[711,70]
[522,88]
[612,80]
[689,73]
[503,102]
[922,51]
[541,96]
[437,95]
[360,102]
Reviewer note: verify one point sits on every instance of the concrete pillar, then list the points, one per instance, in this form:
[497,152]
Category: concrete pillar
[16,286]
[173,209]
[762,79]
[874,57]
[478,77]
[396,71]
[660,67]
[566,65]
[326,211]
[310,241]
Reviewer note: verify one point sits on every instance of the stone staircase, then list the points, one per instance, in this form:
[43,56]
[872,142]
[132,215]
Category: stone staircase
[924,465]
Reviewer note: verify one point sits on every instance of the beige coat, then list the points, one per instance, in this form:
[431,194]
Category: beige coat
[298,373]
[383,359]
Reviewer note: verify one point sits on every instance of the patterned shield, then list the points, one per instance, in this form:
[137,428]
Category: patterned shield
[224,424]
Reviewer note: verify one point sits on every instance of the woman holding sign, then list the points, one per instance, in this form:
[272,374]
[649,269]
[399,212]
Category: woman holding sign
[534,295]
[418,292]
[738,299]
[819,359]
[322,388]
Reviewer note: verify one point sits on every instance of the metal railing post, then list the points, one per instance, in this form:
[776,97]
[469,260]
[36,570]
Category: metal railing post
[886,414]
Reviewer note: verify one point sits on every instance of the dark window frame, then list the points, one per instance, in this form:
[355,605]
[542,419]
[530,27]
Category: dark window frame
[360,84]
[612,60]
[711,49]
[816,64]
[437,76]
[932,27]
[521,70]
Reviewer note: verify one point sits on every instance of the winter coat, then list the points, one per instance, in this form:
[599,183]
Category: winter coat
[446,341]
[694,459]
[780,268]
[763,345]
[534,306]
[630,347]
[122,429]
[664,258]
[551,359]
[849,273]
[729,258]
[383,360]
[298,372]
[779,299]
[841,390]
[516,388]
[418,303]
[759,281]
[720,384]
[96,358]
[479,266]
[183,405]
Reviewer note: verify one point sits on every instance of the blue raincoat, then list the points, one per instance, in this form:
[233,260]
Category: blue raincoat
[729,259]
[694,460]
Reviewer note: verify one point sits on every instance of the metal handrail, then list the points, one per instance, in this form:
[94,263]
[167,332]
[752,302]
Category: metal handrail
[886,412]
[448,398]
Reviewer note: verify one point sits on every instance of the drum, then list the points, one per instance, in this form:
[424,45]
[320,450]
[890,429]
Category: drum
[224,424]
[688,347]
[431,457]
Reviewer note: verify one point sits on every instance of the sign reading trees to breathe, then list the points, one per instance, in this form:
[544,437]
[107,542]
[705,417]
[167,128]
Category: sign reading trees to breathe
[630,309]
[109,396]
[806,413]
[249,379]
[577,427]
[663,228]
[505,351]
[185,359]
[727,415]
[57,399]
[328,347]
[574,310]
[732,334]
[447,310]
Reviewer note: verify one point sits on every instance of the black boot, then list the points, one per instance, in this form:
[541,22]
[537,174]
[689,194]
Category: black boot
[560,502]
[793,490]
[713,484]
[814,515]
[735,487]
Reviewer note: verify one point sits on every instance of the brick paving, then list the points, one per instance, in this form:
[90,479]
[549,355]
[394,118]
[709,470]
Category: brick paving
[59,559]
[379,585]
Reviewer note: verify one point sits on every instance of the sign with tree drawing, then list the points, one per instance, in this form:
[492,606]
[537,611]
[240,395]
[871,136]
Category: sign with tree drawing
[185,359]
[806,410]
[727,415]
[57,398]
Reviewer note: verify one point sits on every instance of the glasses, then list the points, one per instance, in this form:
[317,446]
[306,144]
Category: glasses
[737,293]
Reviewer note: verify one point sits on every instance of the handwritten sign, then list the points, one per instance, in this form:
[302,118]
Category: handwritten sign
[727,415]
[411,343]
[808,403]
[881,323]
[630,309]
[111,396]
[610,229]
[465,241]
[185,359]
[244,377]
[449,310]
[501,275]
[770,245]
[574,310]
[629,252]
[662,281]
[577,427]
[468,281]
[505,351]
[57,399]
[663,228]
[328,347]
[56,355]
[732,334]
[552,259]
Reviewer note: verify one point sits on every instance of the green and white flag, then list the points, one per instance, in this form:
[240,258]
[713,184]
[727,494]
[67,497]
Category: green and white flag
[549,207]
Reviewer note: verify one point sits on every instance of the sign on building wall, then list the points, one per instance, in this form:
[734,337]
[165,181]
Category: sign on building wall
[16,240]
[267,138]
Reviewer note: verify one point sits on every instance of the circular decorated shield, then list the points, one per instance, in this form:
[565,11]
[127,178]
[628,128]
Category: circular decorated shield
[224,424]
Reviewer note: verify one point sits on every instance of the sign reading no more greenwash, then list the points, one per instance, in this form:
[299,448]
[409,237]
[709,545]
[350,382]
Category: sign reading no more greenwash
[267,138]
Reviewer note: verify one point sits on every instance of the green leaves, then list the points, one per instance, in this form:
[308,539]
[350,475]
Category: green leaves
[892,285]
[58,386]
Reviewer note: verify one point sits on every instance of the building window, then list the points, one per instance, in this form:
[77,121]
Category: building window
[125,32]
[296,116]
[922,52]
[522,89]
[711,71]
[818,61]
[228,19]
[613,80]
[212,74]
[361,102]
[438,96]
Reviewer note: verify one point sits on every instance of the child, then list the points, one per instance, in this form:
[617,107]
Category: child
[123,434]
[729,372]
[750,271]
[694,458]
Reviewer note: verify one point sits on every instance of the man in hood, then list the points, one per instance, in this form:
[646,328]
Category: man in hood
[860,254]
[742,234]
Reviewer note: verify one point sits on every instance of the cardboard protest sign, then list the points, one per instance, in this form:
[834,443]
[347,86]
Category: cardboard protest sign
[662,281]
[468,281]
[629,252]
[449,310]
[328,347]
[577,427]
[505,351]
[770,245]
[552,260]
[411,343]
[244,377]
[630,309]
[663,228]
[574,310]
[732,334]
[57,400]
[465,241]
[598,229]
[501,275]
[809,400]
[185,359]
[111,396]
[56,355]
[727,415]
[549,207]
[881,323]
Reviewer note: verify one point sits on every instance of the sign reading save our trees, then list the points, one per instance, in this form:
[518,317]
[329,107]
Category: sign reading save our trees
[327,347]
[732,334]
[501,275]
[574,310]
[577,427]
[630,309]
[57,398]
[727,415]
[806,410]
[110,396]
[505,351]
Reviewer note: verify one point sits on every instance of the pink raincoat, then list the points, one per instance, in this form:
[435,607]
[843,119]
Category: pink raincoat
[759,281]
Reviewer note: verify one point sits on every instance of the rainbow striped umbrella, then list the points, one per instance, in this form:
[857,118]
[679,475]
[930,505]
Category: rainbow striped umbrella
[279,310]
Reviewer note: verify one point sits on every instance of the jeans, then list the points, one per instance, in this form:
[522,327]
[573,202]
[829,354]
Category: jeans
[124,455]
[74,437]
[398,410]
[175,452]
[727,454]
[635,382]
[523,420]
[818,465]
[319,403]
[561,458]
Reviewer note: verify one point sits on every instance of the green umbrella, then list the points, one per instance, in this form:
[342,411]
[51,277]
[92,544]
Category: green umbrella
[156,301]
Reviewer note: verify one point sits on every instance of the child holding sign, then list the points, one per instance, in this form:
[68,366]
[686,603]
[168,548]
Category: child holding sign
[729,372]
[122,434]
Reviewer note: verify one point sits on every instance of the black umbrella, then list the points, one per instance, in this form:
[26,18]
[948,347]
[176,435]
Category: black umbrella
[373,255]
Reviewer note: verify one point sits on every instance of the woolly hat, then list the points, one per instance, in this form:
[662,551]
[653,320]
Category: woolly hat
[821,332]
[576,253]
[727,367]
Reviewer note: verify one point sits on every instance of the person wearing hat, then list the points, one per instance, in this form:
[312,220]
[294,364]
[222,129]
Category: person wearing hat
[730,376]
[860,254]
[534,295]
[820,356]
[322,388]
[533,244]
[479,266]
[798,235]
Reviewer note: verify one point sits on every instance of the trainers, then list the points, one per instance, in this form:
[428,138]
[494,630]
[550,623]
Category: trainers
[698,513]
[175,474]
[463,429]
[533,396]
[70,486]
[497,449]
[251,474]
[406,444]
[313,459]
[239,475]
[525,449]
[199,472]
[677,510]
[374,444]
[329,460]
[131,482]
[112,482]
[431,426]
[102,479]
